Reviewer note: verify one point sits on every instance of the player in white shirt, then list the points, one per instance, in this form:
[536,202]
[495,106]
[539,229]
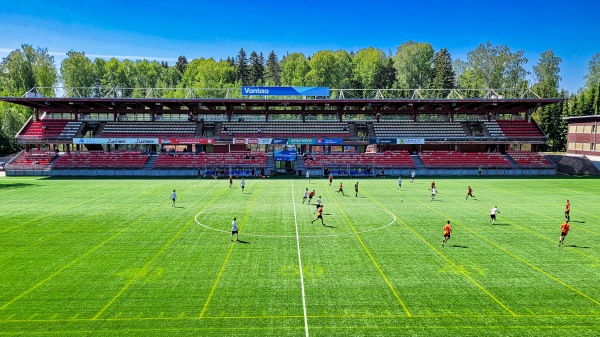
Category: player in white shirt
[412,176]
[399,182]
[433,193]
[234,230]
[319,203]
[493,212]
[242,184]
[307,177]
[305,196]
[173,197]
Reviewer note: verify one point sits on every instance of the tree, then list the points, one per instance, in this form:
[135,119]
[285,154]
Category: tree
[368,64]
[496,67]
[442,73]
[272,72]
[181,64]
[294,68]
[242,68]
[322,69]
[593,77]
[386,77]
[77,73]
[413,65]
[257,68]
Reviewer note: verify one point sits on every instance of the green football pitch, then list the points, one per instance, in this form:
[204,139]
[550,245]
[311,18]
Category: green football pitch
[112,257]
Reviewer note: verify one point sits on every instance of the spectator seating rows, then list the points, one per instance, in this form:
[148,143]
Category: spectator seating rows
[433,131]
[52,128]
[190,160]
[34,159]
[494,129]
[527,159]
[102,159]
[452,159]
[285,129]
[149,129]
[396,159]
[519,129]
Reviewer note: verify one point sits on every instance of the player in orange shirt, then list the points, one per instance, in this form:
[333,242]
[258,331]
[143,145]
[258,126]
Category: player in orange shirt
[567,211]
[341,189]
[311,195]
[447,231]
[469,193]
[564,230]
[319,216]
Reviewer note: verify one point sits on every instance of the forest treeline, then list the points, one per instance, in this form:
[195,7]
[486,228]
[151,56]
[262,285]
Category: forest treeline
[413,65]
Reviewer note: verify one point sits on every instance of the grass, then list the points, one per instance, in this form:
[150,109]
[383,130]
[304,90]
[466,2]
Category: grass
[112,257]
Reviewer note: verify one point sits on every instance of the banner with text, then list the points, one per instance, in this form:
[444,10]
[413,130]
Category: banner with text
[126,141]
[397,141]
[185,141]
[285,91]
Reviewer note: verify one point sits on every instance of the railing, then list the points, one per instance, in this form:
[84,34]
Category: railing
[227,93]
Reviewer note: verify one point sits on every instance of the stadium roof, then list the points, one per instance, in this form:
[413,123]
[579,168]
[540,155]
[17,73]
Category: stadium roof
[281,106]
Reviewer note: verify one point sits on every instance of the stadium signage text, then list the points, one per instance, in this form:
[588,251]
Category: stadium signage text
[284,91]
[115,141]
[405,141]
[186,141]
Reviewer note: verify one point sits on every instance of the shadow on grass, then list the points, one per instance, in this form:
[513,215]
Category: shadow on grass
[576,246]
[18,185]
[179,207]
[501,224]
[244,242]
[577,221]
[328,226]
[459,246]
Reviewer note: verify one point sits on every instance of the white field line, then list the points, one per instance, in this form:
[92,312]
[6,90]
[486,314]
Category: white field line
[300,261]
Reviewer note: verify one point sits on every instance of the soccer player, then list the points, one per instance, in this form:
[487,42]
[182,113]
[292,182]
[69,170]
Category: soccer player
[305,195]
[319,204]
[412,176]
[341,189]
[432,185]
[433,193]
[319,216]
[469,193]
[230,180]
[564,230]
[234,230]
[173,197]
[330,178]
[242,185]
[311,195]
[568,210]
[447,231]
[399,182]
[493,212]
[356,189]
[307,177]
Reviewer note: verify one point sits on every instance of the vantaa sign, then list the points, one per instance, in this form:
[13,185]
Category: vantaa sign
[285,91]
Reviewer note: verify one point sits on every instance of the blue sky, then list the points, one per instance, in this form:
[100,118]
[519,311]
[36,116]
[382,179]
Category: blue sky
[163,30]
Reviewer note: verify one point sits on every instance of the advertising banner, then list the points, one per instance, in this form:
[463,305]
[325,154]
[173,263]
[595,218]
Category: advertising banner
[403,141]
[176,141]
[126,141]
[285,91]
[329,141]
[279,141]
[300,141]
[284,155]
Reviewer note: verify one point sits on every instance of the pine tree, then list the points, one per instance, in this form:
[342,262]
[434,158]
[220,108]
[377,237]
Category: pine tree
[443,74]
[257,68]
[181,64]
[242,68]
[272,71]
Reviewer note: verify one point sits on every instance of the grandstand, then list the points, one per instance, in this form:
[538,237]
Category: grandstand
[245,137]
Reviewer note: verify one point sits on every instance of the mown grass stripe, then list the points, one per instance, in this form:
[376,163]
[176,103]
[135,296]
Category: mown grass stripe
[231,246]
[477,284]
[522,260]
[364,246]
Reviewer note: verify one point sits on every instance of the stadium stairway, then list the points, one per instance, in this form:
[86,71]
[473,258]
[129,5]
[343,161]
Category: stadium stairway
[150,163]
[417,160]
[270,164]
[511,161]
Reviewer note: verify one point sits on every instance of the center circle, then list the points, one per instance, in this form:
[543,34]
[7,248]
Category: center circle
[392,218]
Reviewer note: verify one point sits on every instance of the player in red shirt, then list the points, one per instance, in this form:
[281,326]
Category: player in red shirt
[341,189]
[567,211]
[469,193]
[564,230]
[447,231]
